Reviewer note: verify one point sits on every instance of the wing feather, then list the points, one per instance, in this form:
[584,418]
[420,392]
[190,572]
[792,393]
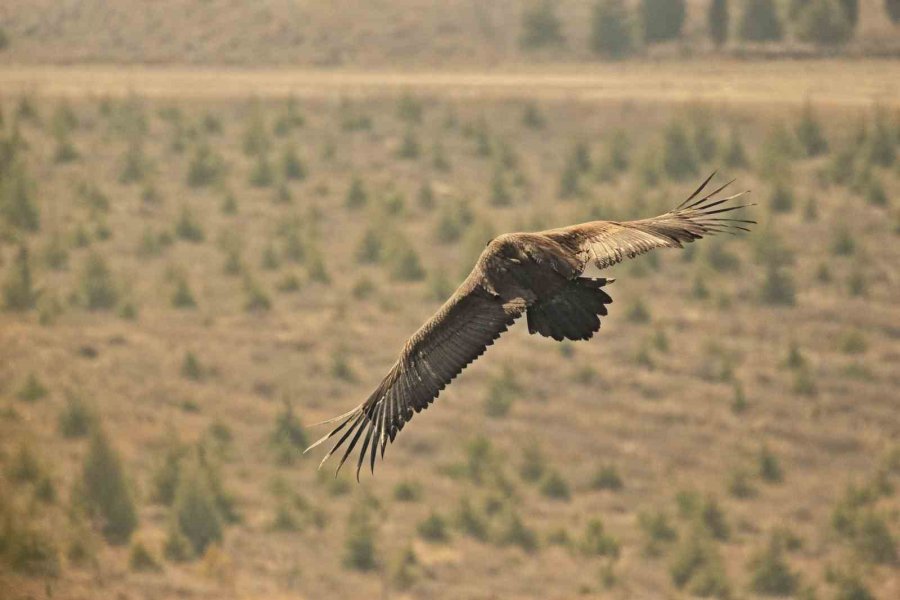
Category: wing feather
[455,336]
[605,243]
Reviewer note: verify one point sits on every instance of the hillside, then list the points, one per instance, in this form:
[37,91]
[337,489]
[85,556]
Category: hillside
[199,279]
[310,33]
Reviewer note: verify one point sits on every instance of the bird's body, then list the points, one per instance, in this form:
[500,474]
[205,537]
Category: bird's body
[539,274]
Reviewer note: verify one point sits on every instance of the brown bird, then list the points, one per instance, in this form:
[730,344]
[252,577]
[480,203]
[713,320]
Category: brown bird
[536,274]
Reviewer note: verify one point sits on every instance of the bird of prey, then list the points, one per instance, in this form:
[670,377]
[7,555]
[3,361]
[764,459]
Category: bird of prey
[539,275]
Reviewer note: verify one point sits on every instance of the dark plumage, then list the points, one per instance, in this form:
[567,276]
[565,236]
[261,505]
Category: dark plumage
[539,274]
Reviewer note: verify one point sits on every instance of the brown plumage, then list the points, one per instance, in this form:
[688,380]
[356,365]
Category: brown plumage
[534,273]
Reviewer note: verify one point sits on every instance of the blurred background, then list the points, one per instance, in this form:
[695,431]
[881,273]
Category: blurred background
[220,220]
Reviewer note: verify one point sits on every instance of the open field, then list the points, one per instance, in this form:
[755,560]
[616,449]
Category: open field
[214,258]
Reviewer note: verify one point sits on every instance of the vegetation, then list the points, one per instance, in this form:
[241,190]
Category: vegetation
[106,493]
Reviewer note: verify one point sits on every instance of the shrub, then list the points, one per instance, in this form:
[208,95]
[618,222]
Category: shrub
[409,147]
[662,19]
[873,540]
[679,159]
[697,566]
[532,117]
[167,473]
[134,165]
[770,575]
[541,26]
[256,298]
[824,22]
[18,289]
[717,19]
[405,569]
[191,367]
[880,142]
[470,521]
[76,419]
[596,542]
[607,478]
[288,438]
[533,467]
[359,544]
[106,494]
[32,390]
[611,35]
[182,297]
[404,262]
[512,531]
[658,530]
[501,394]
[769,468]
[433,528]
[555,487]
[262,174]
[140,559]
[875,194]
[638,312]
[24,548]
[739,484]
[356,195]
[500,195]
[195,511]
[56,254]
[809,133]
[18,206]
[782,199]
[778,287]
[4,44]
[291,165]
[408,491]
[712,517]
[24,465]
[188,228]
[759,22]
[205,168]
[735,156]
[97,286]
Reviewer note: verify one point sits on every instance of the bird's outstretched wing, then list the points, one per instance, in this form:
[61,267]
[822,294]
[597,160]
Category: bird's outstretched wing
[455,336]
[605,243]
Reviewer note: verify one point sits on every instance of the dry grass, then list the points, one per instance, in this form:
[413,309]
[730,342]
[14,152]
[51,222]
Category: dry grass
[656,407]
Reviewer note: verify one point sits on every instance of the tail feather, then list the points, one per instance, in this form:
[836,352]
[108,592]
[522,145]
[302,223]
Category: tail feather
[574,313]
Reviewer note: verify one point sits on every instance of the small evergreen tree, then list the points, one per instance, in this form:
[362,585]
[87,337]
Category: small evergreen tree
[770,575]
[851,11]
[97,287]
[824,22]
[759,22]
[196,514]
[359,546]
[679,158]
[893,10]
[17,203]
[662,20]
[106,493]
[541,26]
[611,35]
[809,133]
[18,289]
[717,19]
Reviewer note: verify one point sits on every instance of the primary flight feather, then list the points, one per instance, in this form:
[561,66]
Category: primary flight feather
[538,274]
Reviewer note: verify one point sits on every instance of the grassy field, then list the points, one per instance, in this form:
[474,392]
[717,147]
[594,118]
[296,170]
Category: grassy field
[189,281]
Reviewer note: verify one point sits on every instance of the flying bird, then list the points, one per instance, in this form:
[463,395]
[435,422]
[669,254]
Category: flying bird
[539,275]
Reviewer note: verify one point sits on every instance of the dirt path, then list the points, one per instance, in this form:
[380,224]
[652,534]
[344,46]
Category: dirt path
[841,83]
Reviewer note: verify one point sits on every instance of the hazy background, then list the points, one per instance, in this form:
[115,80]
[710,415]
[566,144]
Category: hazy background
[220,220]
